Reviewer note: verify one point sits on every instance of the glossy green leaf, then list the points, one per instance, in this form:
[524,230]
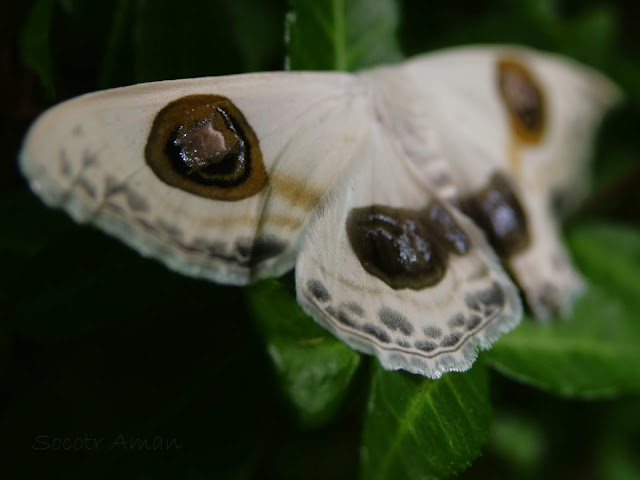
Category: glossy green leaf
[315,368]
[421,428]
[593,353]
[342,35]
[35,46]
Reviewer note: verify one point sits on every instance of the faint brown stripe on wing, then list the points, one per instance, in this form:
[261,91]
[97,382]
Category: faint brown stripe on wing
[284,221]
[295,191]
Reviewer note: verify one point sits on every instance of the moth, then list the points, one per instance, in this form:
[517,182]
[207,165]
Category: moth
[402,194]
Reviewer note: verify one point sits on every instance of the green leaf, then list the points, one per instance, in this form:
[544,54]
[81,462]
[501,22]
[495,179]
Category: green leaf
[35,44]
[588,38]
[609,255]
[595,351]
[315,368]
[342,35]
[421,428]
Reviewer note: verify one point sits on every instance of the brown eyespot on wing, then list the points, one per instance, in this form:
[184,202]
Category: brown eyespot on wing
[216,177]
[204,145]
[523,98]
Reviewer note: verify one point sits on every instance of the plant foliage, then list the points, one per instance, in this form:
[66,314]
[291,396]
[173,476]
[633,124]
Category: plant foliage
[99,342]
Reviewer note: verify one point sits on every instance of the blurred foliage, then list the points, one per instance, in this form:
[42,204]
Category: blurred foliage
[96,342]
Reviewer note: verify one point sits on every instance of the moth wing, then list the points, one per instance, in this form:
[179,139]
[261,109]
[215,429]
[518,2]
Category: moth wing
[87,156]
[528,118]
[360,275]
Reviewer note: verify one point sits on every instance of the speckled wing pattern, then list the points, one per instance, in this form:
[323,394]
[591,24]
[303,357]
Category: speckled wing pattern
[397,192]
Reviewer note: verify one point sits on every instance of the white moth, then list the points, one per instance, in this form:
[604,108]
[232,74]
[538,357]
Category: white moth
[393,191]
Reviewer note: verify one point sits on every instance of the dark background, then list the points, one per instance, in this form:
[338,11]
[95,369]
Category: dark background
[96,342]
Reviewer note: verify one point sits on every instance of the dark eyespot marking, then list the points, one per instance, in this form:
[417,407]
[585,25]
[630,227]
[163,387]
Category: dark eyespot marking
[89,159]
[148,226]
[497,210]
[170,229]
[376,332]
[114,209]
[402,343]
[446,228]
[65,165]
[137,202]
[394,320]
[456,321]
[432,332]
[491,298]
[396,246]
[344,318]
[89,189]
[523,97]
[547,297]
[252,252]
[318,290]
[450,340]
[354,308]
[425,346]
[204,145]
[473,321]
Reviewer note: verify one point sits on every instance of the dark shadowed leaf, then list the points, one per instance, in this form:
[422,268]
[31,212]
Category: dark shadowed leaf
[519,440]
[315,368]
[83,280]
[618,442]
[115,64]
[197,41]
[258,31]
[5,344]
[421,428]
[342,35]
[35,46]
